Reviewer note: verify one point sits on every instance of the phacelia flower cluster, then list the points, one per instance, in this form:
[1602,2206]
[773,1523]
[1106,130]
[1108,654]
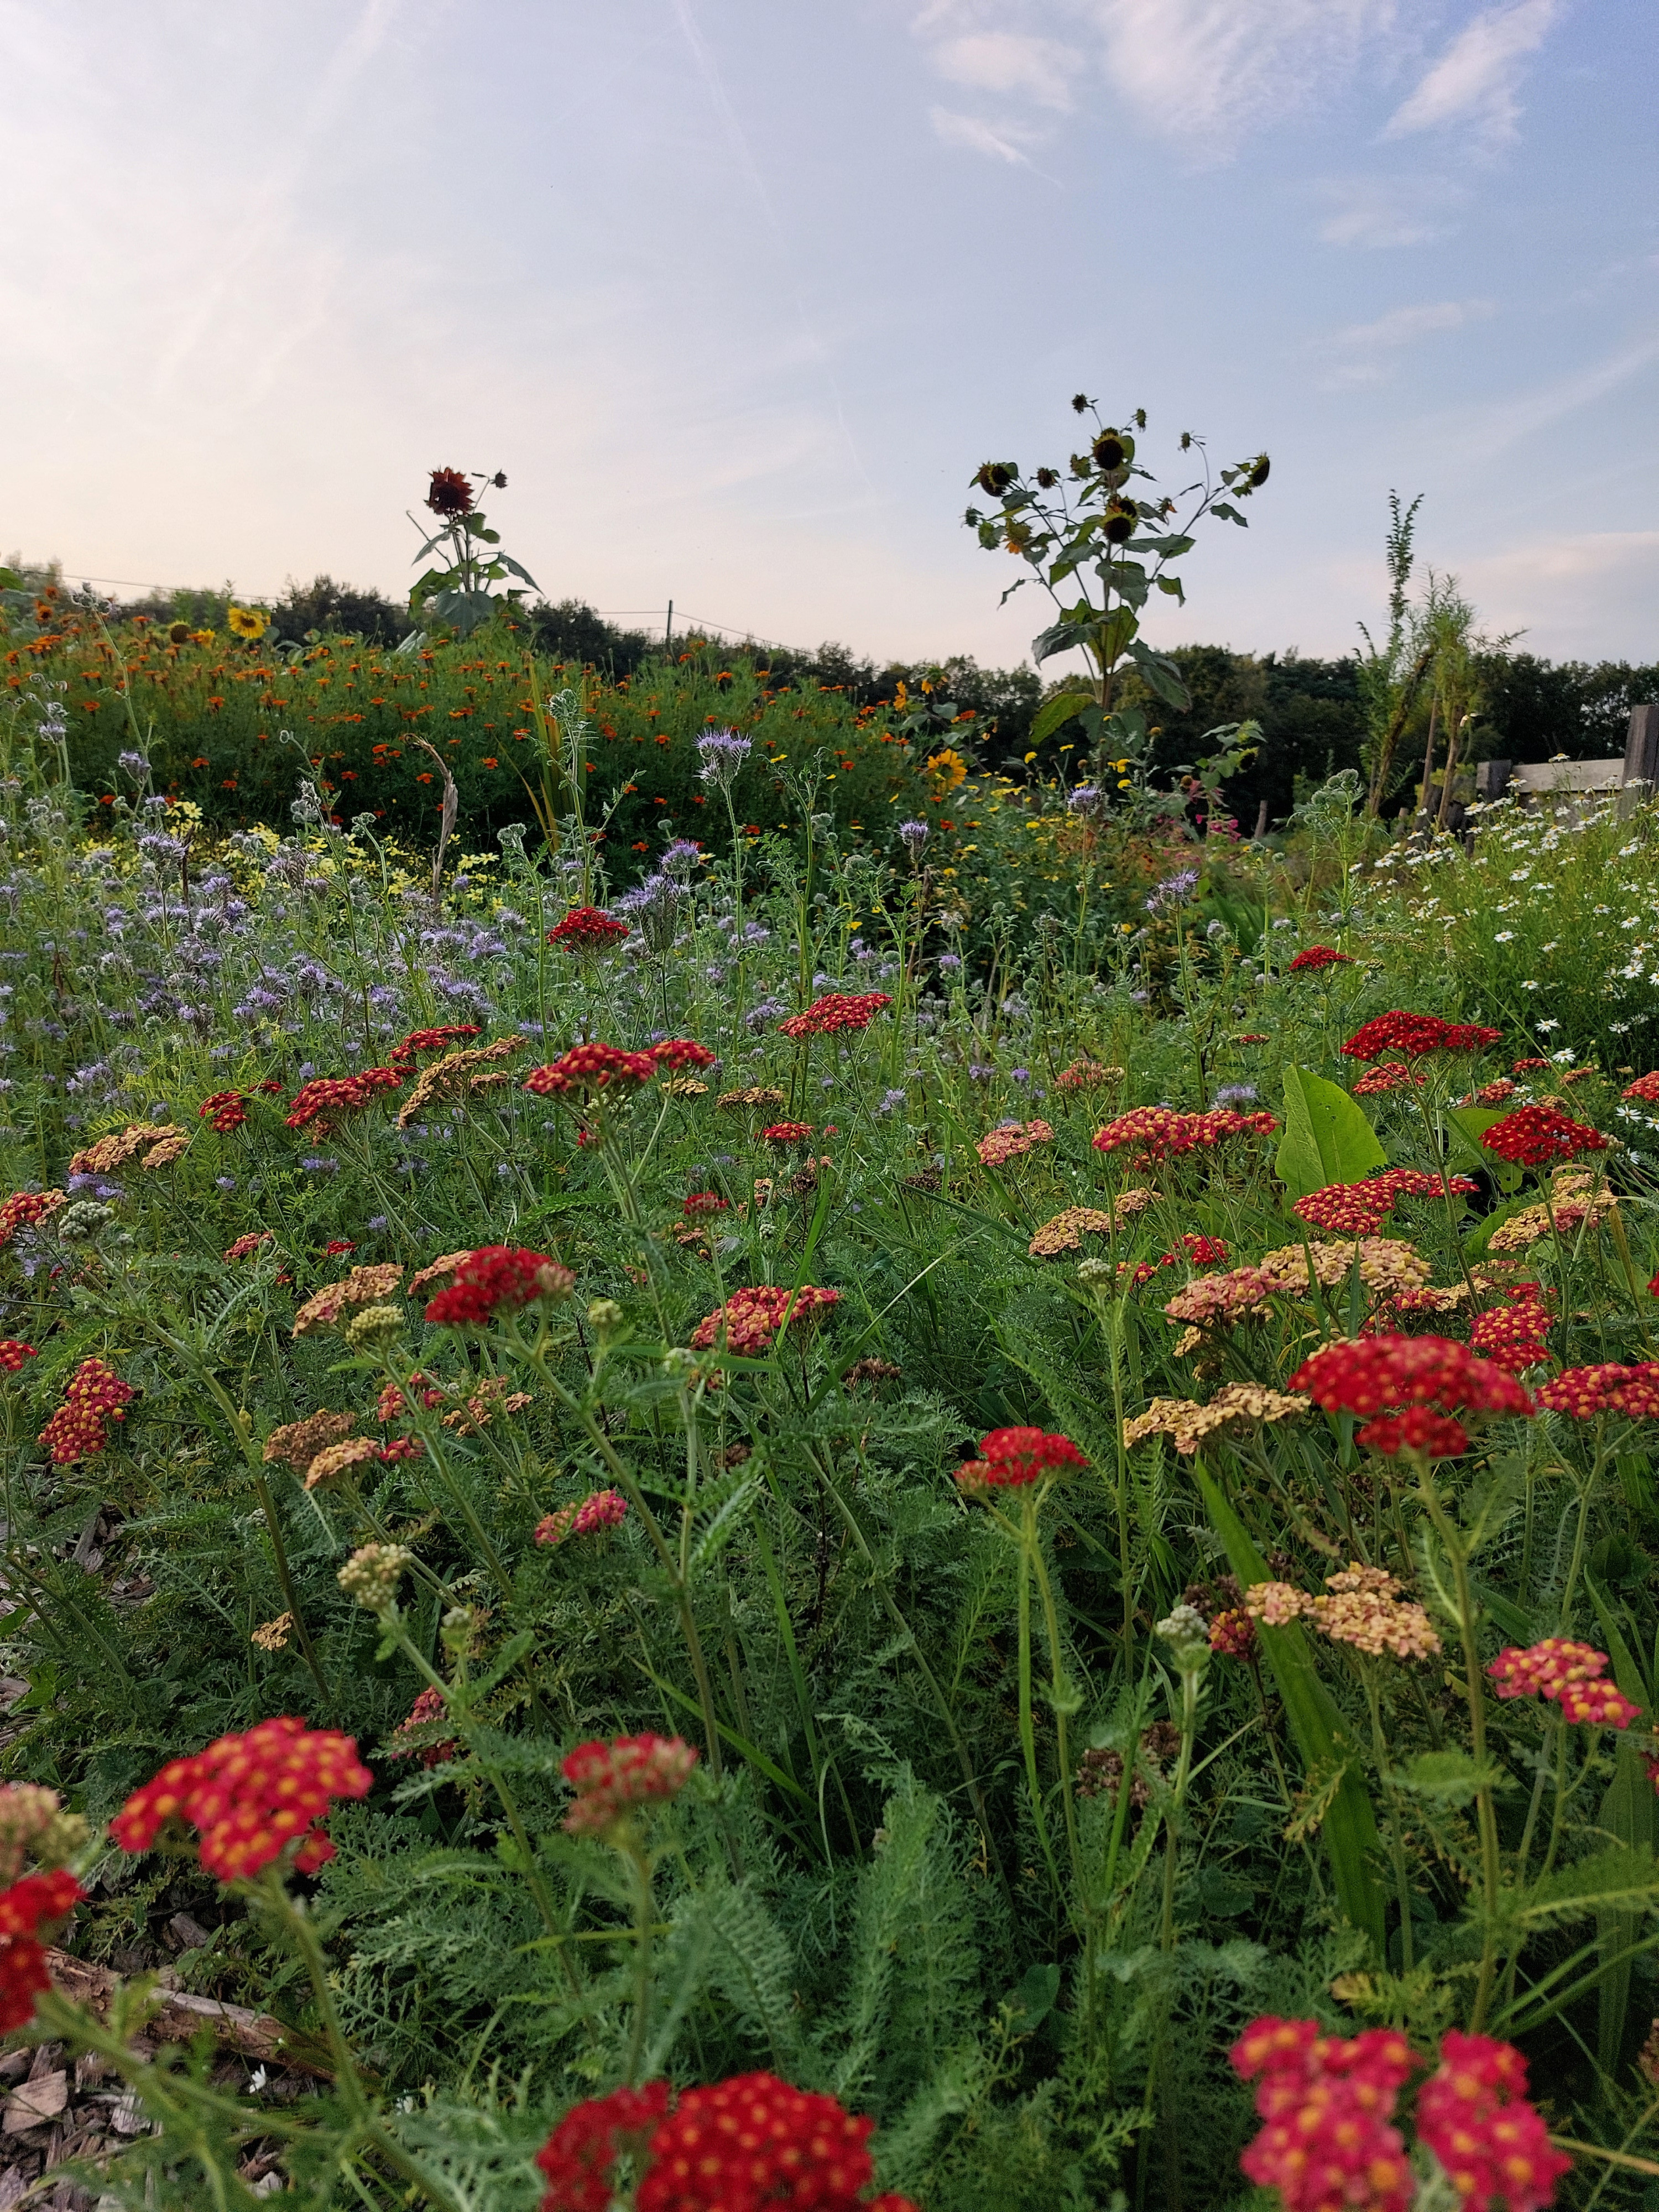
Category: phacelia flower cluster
[1159,1133]
[1583,1392]
[609,1779]
[1409,1388]
[498,1279]
[1568,1676]
[251,1796]
[1412,1035]
[750,1319]
[1011,1458]
[603,1508]
[835,1011]
[587,929]
[1537,1136]
[94,1394]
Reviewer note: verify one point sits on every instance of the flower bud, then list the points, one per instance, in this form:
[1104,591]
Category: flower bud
[373,1573]
[605,1317]
[374,1326]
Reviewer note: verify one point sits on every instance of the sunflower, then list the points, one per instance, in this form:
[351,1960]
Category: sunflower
[947,770]
[246,622]
[451,494]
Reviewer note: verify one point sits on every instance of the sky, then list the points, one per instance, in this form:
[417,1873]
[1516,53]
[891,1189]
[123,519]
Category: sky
[740,294]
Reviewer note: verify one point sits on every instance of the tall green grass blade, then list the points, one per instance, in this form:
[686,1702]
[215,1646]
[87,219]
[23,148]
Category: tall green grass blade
[1322,1736]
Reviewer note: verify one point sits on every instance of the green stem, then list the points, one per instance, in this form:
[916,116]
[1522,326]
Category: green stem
[1485,1812]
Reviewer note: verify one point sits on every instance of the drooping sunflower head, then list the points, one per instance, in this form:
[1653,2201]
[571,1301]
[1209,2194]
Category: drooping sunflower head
[450,494]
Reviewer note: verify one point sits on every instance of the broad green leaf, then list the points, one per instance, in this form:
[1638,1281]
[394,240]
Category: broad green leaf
[1060,637]
[1466,1126]
[1348,1825]
[1327,1137]
[1055,713]
[1161,675]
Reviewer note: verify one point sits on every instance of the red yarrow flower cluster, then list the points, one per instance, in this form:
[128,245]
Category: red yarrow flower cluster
[1513,1336]
[24,1209]
[579,2156]
[1431,1377]
[1359,1209]
[1533,1136]
[1474,2116]
[1496,1093]
[251,1796]
[1232,1635]
[13,1353]
[587,929]
[1202,1251]
[750,2144]
[681,1052]
[787,1133]
[611,1778]
[497,1278]
[1328,2102]
[95,1393]
[245,1245]
[1011,1458]
[1585,1392]
[225,1112]
[430,1706]
[1644,1089]
[836,1009]
[323,1103]
[591,1067]
[1159,1133]
[704,1201]
[1319,956]
[436,1040]
[25,1908]
[1412,1035]
[1567,1674]
[1392,1075]
[750,1319]
[603,1508]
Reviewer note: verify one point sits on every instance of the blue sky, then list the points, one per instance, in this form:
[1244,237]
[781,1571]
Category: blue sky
[740,295]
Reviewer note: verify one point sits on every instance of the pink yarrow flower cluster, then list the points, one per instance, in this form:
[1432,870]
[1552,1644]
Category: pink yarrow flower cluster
[750,1319]
[1568,1676]
[1330,2103]
[602,1509]
[1159,1133]
[609,1779]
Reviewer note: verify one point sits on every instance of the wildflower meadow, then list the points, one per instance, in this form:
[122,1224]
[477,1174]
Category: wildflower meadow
[889,1486]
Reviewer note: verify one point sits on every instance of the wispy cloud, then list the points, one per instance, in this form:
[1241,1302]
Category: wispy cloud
[1007,62]
[1509,421]
[976,136]
[1365,352]
[1476,81]
[1384,212]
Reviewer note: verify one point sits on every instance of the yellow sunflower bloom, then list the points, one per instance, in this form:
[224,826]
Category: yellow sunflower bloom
[247,622]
